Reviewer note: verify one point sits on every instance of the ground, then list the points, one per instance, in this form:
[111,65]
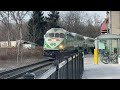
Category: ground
[10,64]
[100,70]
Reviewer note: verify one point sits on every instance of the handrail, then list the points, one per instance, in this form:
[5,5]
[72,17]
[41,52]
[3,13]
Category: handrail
[53,69]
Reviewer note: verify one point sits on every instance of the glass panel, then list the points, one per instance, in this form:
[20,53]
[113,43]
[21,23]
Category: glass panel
[56,34]
[62,35]
[47,35]
[51,35]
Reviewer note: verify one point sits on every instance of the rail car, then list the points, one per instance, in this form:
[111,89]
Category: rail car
[60,40]
[89,45]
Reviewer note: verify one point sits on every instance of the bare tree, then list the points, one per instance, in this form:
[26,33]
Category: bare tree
[18,17]
[81,22]
[73,20]
[93,25]
[5,19]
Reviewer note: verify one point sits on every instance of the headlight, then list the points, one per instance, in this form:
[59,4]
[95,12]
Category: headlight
[45,45]
[61,47]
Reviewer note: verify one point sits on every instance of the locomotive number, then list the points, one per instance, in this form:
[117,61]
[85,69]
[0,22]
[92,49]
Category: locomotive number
[53,44]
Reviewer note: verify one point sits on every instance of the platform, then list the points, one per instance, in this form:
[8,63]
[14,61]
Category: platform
[99,71]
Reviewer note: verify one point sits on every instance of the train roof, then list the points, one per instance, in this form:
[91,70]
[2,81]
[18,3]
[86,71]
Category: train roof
[75,34]
[89,39]
[72,34]
[55,29]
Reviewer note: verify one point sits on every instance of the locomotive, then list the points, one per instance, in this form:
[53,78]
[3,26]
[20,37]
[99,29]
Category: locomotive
[60,40]
[89,45]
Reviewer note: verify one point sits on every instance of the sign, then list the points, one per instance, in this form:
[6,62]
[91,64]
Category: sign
[101,45]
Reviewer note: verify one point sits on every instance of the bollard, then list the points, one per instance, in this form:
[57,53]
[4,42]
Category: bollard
[95,56]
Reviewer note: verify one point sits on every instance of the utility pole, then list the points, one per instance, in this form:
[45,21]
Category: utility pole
[21,45]
[110,30]
[109,25]
[8,31]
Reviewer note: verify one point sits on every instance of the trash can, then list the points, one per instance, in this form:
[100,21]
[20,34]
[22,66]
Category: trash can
[119,59]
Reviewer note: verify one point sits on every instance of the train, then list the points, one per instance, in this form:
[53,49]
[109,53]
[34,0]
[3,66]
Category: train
[89,45]
[61,40]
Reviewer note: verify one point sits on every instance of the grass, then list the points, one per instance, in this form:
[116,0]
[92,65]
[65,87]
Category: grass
[11,53]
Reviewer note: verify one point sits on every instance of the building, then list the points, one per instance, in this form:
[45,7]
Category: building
[105,25]
[25,44]
[111,25]
[115,22]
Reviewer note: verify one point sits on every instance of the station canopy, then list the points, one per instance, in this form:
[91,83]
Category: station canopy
[88,39]
[108,37]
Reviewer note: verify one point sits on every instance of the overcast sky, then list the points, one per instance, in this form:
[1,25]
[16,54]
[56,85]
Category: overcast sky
[102,14]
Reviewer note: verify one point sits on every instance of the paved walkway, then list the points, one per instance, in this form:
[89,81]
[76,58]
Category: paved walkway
[100,71]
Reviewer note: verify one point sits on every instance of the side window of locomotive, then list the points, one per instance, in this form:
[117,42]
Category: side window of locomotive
[51,35]
[62,35]
[57,35]
[68,38]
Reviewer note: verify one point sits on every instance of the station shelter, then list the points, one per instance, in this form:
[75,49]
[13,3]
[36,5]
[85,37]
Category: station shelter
[109,42]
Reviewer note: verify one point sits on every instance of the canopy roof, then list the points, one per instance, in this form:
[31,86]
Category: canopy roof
[108,37]
[88,39]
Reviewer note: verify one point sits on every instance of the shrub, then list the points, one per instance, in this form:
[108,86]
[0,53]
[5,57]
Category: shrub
[11,53]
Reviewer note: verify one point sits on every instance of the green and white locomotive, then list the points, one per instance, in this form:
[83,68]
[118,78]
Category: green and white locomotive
[60,40]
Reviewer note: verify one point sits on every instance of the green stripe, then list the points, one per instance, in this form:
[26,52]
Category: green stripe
[48,46]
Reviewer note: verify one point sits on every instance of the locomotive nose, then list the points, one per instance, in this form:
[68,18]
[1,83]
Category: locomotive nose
[54,39]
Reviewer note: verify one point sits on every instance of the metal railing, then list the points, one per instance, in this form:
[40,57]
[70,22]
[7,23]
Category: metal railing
[63,66]
[69,66]
[21,71]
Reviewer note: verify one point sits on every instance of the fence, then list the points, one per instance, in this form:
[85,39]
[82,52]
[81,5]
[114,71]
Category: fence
[65,66]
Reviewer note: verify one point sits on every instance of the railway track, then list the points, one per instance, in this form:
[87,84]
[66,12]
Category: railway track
[18,73]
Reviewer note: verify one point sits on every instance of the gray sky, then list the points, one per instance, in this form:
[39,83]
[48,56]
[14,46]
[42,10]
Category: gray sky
[102,14]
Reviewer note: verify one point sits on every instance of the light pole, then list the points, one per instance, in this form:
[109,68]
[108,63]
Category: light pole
[8,31]
[110,29]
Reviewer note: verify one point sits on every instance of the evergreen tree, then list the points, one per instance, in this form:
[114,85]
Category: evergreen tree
[52,19]
[36,27]
[30,30]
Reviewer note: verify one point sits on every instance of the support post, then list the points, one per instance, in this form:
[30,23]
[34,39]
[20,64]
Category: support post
[96,56]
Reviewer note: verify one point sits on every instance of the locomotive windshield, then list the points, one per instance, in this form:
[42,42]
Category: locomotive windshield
[62,35]
[57,35]
[51,34]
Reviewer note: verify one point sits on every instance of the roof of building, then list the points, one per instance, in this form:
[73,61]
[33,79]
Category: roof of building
[108,36]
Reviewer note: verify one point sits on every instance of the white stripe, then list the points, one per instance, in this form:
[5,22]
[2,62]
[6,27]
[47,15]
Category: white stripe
[73,56]
[62,64]
[69,59]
